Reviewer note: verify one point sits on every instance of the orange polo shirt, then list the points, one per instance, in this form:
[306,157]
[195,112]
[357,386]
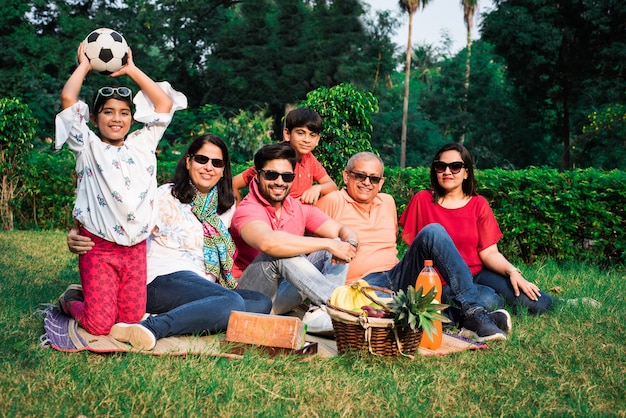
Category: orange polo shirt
[376,229]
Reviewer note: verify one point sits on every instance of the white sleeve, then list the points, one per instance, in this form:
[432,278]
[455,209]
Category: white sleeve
[71,124]
[144,109]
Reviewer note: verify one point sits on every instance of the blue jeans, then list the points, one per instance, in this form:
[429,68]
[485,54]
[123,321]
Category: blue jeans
[433,243]
[186,303]
[312,276]
[501,285]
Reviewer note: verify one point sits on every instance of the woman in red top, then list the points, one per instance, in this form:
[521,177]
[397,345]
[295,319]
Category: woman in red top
[455,204]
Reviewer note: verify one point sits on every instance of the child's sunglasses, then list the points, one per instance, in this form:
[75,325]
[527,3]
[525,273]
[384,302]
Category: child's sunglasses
[110,91]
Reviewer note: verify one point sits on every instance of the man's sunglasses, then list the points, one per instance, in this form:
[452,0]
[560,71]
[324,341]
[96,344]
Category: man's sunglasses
[273,175]
[362,177]
[203,159]
[110,91]
[454,167]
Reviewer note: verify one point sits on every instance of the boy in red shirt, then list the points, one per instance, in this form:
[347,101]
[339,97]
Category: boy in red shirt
[302,131]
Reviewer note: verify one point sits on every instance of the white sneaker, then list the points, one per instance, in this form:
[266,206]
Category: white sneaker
[318,322]
[137,335]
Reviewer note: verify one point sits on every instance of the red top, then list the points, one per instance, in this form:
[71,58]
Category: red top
[295,218]
[472,227]
[307,170]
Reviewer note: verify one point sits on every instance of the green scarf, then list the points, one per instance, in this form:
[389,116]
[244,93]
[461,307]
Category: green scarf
[219,248]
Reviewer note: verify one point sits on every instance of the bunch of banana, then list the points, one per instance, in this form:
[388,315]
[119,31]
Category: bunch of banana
[350,297]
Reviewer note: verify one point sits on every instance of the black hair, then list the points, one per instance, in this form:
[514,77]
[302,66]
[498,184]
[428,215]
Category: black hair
[280,151]
[99,101]
[185,191]
[303,117]
[470,187]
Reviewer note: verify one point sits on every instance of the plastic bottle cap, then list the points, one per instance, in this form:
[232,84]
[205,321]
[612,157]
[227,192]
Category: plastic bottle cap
[428,263]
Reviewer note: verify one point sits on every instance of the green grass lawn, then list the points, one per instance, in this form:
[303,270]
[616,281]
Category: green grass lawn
[571,362]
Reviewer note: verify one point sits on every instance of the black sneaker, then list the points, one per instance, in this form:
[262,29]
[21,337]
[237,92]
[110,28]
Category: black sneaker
[502,319]
[73,293]
[480,326]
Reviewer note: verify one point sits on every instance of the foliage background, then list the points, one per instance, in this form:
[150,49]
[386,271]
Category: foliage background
[542,72]
[546,90]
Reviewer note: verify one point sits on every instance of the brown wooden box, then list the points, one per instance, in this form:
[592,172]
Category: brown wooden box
[266,330]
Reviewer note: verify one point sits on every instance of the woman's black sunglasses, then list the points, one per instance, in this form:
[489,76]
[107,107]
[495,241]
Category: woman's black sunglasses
[110,91]
[273,175]
[203,159]
[455,167]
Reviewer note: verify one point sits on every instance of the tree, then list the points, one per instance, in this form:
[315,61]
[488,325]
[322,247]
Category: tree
[347,114]
[469,8]
[17,130]
[380,30]
[409,6]
[565,59]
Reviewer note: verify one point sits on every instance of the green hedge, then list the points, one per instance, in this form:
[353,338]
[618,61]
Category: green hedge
[544,213]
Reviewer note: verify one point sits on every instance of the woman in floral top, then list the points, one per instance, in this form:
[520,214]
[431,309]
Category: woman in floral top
[190,252]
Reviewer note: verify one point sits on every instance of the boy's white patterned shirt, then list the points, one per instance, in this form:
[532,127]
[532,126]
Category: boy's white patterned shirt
[115,186]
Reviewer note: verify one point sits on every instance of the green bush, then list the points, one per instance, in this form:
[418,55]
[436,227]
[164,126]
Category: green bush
[17,130]
[574,215]
[46,196]
[347,129]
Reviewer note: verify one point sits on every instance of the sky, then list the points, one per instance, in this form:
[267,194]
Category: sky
[429,22]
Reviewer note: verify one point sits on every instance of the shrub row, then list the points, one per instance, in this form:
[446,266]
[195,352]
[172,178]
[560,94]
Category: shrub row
[543,213]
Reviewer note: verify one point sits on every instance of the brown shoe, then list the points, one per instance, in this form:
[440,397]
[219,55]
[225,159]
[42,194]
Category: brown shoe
[73,293]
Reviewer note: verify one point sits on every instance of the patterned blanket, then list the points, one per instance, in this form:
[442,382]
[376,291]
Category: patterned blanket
[63,333]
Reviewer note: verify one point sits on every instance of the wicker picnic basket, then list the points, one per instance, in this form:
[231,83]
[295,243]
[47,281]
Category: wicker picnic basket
[378,336]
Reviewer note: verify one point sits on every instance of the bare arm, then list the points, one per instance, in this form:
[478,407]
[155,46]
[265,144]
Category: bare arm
[260,236]
[495,261]
[71,90]
[161,101]
[238,184]
[324,186]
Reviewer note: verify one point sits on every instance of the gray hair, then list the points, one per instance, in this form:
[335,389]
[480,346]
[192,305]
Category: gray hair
[366,155]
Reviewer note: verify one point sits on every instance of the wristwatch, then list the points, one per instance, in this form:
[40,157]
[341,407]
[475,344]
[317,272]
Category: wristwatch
[353,243]
[510,271]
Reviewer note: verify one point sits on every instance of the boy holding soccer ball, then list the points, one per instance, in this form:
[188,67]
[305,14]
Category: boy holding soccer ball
[115,190]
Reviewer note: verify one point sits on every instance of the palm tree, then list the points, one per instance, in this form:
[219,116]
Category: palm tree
[409,6]
[469,8]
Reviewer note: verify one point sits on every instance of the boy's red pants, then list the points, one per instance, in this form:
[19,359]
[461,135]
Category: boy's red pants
[114,285]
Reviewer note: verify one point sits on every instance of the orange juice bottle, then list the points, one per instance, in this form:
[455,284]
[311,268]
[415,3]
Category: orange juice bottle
[428,278]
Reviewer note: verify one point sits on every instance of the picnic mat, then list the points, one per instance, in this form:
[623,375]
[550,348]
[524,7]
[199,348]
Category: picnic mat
[63,333]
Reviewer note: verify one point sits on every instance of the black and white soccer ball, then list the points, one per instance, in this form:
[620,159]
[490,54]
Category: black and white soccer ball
[107,50]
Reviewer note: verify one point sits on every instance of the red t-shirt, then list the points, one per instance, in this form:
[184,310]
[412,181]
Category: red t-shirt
[307,170]
[472,227]
[295,218]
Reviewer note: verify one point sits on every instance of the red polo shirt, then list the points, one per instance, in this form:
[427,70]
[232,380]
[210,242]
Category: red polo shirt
[296,218]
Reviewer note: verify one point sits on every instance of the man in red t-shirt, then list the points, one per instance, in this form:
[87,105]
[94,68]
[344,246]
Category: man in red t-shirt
[279,239]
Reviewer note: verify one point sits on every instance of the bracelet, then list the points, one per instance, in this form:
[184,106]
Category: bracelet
[353,243]
[510,271]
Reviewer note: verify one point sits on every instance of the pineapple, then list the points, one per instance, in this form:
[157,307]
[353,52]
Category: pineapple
[415,310]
